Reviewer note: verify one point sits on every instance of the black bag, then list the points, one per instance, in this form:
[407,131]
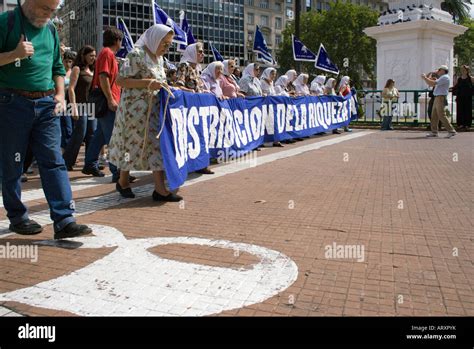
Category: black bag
[97,97]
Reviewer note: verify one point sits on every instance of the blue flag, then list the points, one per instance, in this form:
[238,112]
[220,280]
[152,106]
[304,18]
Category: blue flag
[324,63]
[160,17]
[183,22]
[127,41]
[301,52]
[169,65]
[217,55]
[261,48]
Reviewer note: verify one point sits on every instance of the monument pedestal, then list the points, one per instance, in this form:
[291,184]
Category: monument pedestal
[406,50]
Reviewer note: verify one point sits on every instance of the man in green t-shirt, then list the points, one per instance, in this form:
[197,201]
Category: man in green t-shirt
[31,98]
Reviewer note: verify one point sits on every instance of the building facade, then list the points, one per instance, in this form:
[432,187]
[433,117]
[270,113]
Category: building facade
[321,5]
[219,22]
[271,16]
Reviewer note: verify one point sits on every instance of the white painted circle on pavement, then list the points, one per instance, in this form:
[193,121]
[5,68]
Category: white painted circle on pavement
[131,281]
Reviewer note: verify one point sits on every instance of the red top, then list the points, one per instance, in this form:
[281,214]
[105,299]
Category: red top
[106,63]
[345,91]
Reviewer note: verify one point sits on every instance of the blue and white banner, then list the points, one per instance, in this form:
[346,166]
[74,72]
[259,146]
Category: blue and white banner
[261,48]
[216,54]
[199,127]
[183,23]
[301,52]
[127,41]
[161,17]
[323,62]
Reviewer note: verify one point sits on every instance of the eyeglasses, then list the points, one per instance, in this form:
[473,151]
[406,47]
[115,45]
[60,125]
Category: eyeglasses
[200,51]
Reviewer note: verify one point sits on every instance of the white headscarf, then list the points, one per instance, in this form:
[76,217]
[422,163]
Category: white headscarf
[152,37]
[320,79]
[249,70]
[226,68]
[292,75]
[329,83]
[317,85]
[329,86]
[190,54]
[344,82]
[300,86]
[211,69]
[282,81]
[267,72]
[300,80]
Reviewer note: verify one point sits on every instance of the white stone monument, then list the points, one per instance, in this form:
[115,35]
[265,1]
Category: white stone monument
[413,37]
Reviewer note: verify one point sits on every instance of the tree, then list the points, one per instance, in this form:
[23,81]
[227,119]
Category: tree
[459,9]
[464,44]
[340,30]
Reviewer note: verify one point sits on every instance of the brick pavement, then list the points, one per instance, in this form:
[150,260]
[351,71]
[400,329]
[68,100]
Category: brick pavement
[403,198]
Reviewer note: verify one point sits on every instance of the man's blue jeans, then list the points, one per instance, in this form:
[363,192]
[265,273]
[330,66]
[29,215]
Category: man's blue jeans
[102,136]
[21,121]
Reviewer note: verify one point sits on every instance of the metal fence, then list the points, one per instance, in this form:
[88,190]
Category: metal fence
[411,108]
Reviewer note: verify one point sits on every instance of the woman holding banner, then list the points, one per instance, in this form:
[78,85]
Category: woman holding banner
[250,84]
[193,56]
[266,81]
[211,76]
[317,85]
[281,85]
[344,90]
[292,75]
[135,143]
[329,90]
[228,84]
[301,85]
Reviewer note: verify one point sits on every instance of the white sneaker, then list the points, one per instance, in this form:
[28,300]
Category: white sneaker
[431,134]
[451,134]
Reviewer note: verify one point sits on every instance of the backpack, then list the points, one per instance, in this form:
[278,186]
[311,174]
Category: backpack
[11,24]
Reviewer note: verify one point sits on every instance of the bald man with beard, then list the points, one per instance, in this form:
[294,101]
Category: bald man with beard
[31,98]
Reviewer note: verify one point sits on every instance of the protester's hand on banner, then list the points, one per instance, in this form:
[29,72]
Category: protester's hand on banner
[24,49]
[113,106]
[60,104]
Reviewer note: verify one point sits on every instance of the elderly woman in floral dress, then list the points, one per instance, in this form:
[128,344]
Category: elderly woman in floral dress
[134,144]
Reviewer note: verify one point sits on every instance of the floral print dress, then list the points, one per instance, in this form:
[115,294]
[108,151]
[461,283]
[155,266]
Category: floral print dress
[131,126]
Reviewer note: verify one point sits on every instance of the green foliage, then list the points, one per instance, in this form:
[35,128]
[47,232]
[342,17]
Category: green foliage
[464,44]
[458,8]
[340,30]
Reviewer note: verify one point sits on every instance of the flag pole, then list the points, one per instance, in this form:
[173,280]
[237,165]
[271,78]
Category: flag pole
[297,28]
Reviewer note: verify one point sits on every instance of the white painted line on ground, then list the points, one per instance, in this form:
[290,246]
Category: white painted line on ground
[82,184]
[94,204]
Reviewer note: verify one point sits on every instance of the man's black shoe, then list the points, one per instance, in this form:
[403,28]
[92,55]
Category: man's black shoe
[28,227]
[92,171]
[72,230]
